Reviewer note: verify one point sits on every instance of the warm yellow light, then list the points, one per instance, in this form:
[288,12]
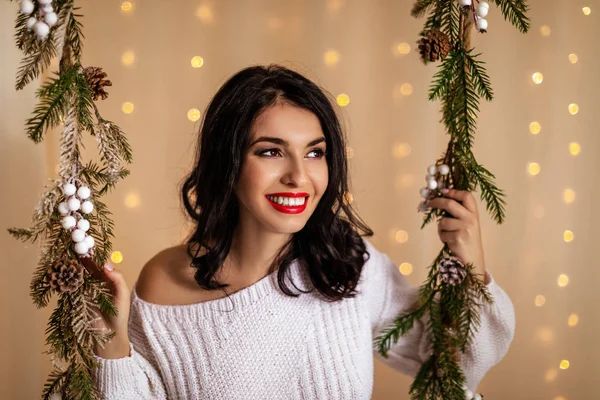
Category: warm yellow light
[586,10]
[331,58]
[537,78]
[563,280]
[569,196]
[348,198]
[565,364]
[403,48]
[205,14]
[573,109]
[401,236]
[551,375]
[128,58]
[197,61]
[349,152]
[116,257]
[127,107]
[406,268]
[568,236]
[573,319]
[193,114]
[540,300]
[535,127]
[126,6]
[534,168]
[401,150]
[545,30]
[545,335]
[406,89]
[574,148]
[132,200]
[343,100]
[573,58]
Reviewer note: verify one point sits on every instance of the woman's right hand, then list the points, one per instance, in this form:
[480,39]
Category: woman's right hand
[118,347]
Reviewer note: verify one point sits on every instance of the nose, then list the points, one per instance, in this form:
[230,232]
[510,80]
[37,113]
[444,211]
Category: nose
[295,174]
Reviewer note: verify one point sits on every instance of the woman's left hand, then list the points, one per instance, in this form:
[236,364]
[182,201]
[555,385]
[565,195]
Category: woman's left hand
[462,233]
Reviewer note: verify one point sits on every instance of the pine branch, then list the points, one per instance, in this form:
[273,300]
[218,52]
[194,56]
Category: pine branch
[490,194]
[421,7]
[515,11]
[55,382]
[54,100]
[36,61]
[443,77]
[479,76]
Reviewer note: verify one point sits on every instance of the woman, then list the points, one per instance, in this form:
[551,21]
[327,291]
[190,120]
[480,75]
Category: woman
[276,295]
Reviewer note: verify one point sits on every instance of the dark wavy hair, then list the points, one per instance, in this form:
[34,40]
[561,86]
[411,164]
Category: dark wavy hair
[329,247]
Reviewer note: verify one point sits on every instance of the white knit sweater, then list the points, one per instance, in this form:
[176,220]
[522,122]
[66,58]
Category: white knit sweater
[262,344]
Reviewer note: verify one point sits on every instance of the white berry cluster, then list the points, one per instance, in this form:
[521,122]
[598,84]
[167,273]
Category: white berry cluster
[470,395]
[43,20]
[479,13]
[434,183]
[73,220]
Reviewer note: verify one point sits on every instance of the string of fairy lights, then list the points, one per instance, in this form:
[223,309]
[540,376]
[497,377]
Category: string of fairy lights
[331,58]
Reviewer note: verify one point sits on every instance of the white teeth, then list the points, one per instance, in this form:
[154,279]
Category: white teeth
[287,201]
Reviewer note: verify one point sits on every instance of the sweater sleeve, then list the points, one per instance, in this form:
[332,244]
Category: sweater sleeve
[135,377]
[389,294]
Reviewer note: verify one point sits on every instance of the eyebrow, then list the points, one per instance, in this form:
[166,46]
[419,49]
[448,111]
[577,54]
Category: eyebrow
[283,142]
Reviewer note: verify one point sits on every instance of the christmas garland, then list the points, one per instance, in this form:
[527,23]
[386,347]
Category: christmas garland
[451,293]
[70,221]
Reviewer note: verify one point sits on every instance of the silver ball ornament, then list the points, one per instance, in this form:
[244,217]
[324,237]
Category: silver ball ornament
[83,224]
[87,207]
[81,248]
[68,222]
[69,189]
[89,241]
[26,7]
[41,29]
[83,192]
[74,204]
[77,235]
[63,208]
[51,19]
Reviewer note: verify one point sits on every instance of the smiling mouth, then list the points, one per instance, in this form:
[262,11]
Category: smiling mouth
[291,203]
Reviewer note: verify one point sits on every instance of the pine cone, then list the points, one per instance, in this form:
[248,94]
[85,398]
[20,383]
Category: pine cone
[64,275]
[434,46]
[96,79]
[452,270]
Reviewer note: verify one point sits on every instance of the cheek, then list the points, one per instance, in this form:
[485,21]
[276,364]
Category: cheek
[256,178]
[320,179]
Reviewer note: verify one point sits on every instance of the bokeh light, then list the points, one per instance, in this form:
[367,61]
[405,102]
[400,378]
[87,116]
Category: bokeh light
[132,200]
[565,364]
[126,6]
[573,58]
[586,10]
[535,127]
[406,268]
[551,375]
[197,61]
[545,30]
[343,99]
[128,58]
[574,148]
[403,48]
[193,114]
[563,280]
[537,78]
[569,196]
[573,320]
[573,109]
[205,14]
[568,236]
[401,236]
[544,335]
[540,300]
[116,257]
[331,58]
[534,168]
[401,150]
[406,89]
[127,107]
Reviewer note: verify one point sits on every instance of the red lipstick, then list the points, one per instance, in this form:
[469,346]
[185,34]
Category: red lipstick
[288,209]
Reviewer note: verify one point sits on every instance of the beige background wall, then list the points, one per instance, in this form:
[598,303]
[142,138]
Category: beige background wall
[526,254]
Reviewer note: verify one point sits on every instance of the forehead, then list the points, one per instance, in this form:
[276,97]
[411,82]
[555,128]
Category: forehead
[288,122]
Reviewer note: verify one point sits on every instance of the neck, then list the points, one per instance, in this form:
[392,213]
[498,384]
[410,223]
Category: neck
[252,254]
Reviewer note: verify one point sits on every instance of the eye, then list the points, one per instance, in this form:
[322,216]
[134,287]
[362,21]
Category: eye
[263,153]
[319,153]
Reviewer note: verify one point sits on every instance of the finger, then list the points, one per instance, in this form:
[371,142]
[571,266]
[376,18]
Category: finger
[450,225]
[452,206]
[449,237]
[465,197]
[92,268]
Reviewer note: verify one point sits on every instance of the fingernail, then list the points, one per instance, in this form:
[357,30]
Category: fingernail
[445,191]
[108,267]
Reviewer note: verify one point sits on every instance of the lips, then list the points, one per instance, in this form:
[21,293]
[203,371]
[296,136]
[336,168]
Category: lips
[295,209]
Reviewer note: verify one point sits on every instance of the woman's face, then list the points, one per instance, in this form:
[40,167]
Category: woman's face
[284,173]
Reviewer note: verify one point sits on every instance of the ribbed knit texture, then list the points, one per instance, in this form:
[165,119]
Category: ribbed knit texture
[262,344]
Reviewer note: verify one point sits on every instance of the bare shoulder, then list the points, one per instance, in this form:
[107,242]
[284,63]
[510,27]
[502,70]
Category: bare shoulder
[165,273]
